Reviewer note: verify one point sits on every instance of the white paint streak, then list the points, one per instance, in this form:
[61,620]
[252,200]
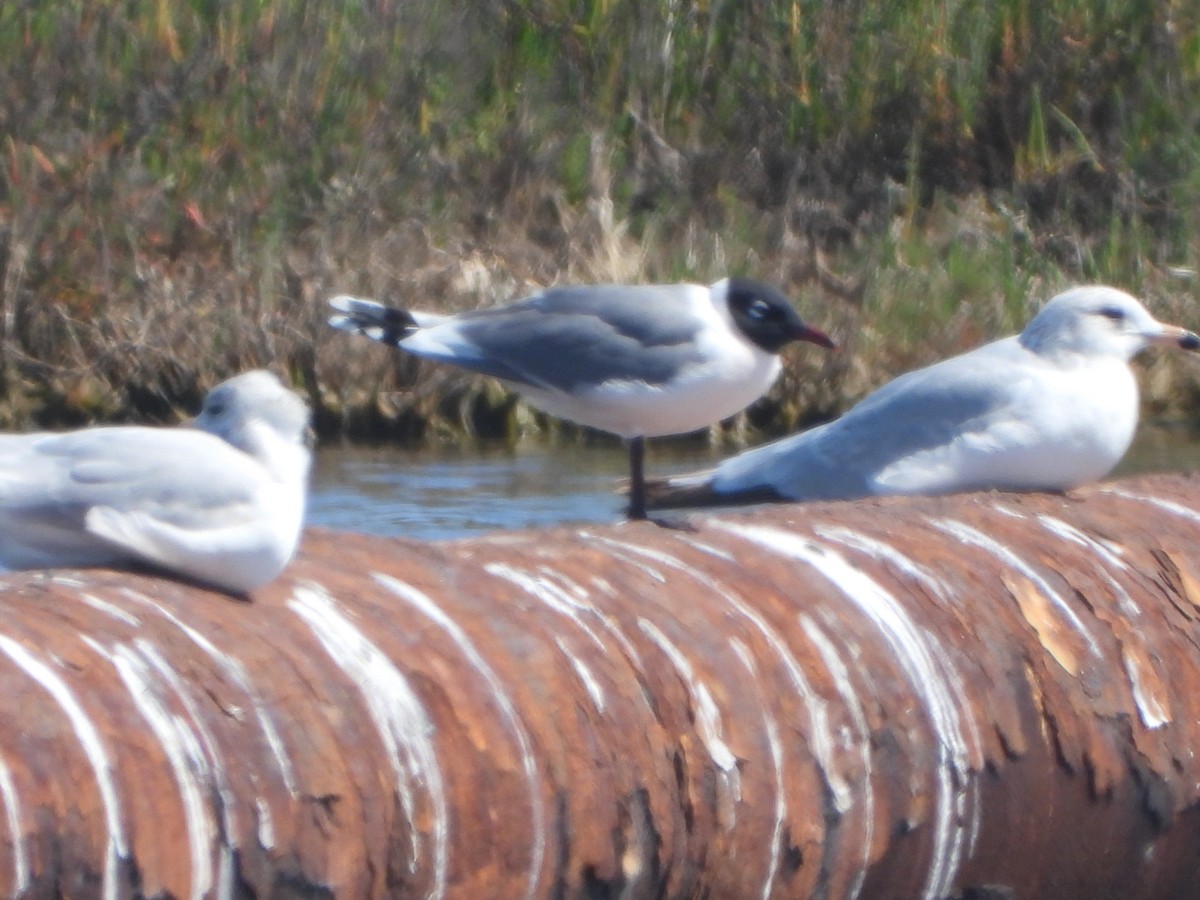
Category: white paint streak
[966,799]
[266,824]
[845,687]
[968,802]
[425,605]
[182,751]
[775,746]
[887,553]
[208,742]
[550,595]
[236,672]
[1175,509]
[569,600]
[1150,710]
[968,535]
[616,548]
[225,873]
[12,813]
[914,650]
[1152,713]
[110,609]
[584,674]
[70,581]
[610,624]
[819,729]
[1108,555]
[93,747]
[718,552]
[840,794]
[708,718]
[401,720]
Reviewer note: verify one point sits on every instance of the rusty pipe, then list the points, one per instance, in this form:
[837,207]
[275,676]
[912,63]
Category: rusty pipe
[992,695]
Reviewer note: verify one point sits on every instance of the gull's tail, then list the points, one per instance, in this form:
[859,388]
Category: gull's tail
[378,322]
[697,489]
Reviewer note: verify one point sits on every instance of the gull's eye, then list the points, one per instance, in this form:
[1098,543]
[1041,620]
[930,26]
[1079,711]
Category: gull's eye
[1113,313]
[759,310]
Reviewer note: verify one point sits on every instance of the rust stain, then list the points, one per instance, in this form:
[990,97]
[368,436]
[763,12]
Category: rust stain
[871,699]
[1189,583]
[1151,694]
[1041,617]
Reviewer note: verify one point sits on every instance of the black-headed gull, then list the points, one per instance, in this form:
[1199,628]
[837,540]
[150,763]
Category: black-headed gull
[636,361]
[1051,408]
[221,502]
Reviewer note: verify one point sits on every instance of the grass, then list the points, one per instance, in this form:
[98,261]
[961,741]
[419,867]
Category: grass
[182,184]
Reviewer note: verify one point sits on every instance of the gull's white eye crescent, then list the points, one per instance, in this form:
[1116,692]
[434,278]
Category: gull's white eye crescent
[758,310]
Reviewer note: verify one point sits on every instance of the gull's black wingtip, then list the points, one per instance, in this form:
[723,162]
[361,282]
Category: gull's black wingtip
[385,324]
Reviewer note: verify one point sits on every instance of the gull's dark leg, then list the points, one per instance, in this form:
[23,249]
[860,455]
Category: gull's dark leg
[637,478]
[637,489]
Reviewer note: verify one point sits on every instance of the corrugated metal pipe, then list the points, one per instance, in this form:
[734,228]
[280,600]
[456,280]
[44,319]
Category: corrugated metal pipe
[987,696]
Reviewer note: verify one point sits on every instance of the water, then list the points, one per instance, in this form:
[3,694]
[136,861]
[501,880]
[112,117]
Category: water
[451,492]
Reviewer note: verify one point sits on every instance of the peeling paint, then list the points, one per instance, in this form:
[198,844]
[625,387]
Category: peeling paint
[708,716]
[12,817]
[775,745]
[913,651]
[1171,506]
[820,732]
[93,748]
[835,700]
[708,719]
[553,596]
[586,678]
[428,608]
[110,609]
[1152,703]
[182,751]
[401,721]
[862,743]
[236,672]
[1012,561]
[266,824]
[1106,553]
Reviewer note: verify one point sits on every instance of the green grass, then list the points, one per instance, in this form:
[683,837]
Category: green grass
[183,183]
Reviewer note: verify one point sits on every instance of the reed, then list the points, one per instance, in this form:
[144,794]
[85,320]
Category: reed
[183,183]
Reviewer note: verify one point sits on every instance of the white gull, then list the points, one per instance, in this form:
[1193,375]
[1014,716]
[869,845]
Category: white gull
[221,503]
[1051,408]
[635,360]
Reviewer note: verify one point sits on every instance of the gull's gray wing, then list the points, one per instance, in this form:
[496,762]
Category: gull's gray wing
[568,337]
[84,494]
[899,438]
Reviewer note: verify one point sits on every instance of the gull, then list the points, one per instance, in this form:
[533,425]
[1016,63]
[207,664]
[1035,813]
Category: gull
[219,503]
[1051,408]
[636,361]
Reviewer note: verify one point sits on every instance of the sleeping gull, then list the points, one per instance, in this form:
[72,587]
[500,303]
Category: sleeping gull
[636,361]
[1051,408]
[220,503]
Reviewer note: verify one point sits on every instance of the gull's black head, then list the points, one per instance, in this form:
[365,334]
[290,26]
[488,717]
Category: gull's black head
[767,318]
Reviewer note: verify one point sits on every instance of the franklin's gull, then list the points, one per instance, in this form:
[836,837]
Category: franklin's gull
[1049,409]
[220,503]
[636,361]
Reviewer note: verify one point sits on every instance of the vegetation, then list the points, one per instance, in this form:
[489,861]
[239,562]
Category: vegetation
[184,182]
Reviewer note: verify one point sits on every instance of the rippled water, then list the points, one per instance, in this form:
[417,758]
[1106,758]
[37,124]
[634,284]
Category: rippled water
[451,492]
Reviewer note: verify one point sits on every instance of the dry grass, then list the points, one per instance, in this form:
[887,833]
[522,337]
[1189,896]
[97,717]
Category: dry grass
[182,185]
